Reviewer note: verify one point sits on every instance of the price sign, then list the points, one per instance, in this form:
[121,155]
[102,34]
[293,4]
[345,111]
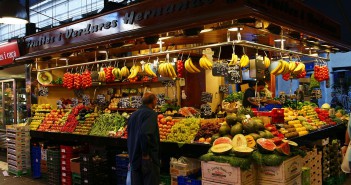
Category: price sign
[101,100]
[161,99]
[135,102]
[224,89]
[206,97]
[124,103]
[43,91]
[206,109]
[74,102]
[234,74]
[220,69]
[86,100]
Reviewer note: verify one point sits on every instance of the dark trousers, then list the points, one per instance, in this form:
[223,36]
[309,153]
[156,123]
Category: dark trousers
[148,174]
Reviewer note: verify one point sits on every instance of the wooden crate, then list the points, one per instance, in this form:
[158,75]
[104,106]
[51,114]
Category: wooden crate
[313,160]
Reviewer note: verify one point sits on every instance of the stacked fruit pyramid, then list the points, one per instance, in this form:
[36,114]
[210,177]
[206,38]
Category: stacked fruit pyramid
[332,160]
[18,149]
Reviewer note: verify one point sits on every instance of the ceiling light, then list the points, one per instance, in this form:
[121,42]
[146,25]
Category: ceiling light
[12,12]
[166,37]
[235,29]
[279,40]
[206,30]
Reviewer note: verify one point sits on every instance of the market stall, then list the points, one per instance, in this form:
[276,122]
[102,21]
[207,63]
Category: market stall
[89,76]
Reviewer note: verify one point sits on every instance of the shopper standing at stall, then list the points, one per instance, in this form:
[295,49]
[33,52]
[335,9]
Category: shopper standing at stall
[143,143]
[250,94]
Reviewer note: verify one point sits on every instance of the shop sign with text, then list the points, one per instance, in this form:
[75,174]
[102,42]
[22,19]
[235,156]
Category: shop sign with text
[8,53]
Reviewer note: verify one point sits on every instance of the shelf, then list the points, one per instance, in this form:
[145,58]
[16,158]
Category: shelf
[331,131]
[126,110]
[110,84]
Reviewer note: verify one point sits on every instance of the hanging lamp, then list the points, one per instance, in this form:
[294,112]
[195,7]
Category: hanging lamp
[12,12]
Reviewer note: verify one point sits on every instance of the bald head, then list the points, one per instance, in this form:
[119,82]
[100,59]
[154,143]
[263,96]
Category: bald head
[149,99]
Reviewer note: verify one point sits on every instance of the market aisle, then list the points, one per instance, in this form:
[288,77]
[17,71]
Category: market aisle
[12,180]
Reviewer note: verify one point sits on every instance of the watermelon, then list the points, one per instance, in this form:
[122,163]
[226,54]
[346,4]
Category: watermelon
[265,145]
[239,140]
[283,148]
[222,148]
[221,140]
[242,151]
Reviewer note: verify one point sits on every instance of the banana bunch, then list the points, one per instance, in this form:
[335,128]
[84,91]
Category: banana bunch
[205,63]
[190,67]
[267,62]
[116,72]
[300,67]
[292,66]
[102,75]
[125,71]
[148,70]
[244,61]
[134,71]
[234,59]
[282,68]
[166,70]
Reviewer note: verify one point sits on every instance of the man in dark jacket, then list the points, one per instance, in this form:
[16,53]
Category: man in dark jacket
[143,143]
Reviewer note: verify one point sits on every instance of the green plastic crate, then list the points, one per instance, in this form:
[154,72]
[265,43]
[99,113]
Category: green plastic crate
[165,179]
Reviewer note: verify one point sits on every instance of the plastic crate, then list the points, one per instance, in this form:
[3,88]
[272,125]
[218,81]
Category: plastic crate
[122,160]
[165,179]
[18,172]
[182,180]
[36,171]
[270,107]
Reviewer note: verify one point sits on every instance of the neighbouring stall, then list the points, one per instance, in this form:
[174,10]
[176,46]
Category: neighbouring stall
[86,78]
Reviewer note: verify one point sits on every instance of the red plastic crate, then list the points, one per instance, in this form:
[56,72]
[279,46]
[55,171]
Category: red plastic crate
[67,156]
[66,161]
[66,168]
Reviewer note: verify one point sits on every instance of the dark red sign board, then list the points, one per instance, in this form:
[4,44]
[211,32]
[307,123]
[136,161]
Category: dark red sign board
[8,53]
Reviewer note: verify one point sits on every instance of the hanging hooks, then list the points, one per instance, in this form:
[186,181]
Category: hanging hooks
[181,58]
[219,53]
[125,62]
[265,53]
[233,47]
[189,54]
[281,56]
[148,60]
[244,50]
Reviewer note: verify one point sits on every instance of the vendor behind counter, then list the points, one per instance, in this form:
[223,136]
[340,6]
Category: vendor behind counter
[253,92]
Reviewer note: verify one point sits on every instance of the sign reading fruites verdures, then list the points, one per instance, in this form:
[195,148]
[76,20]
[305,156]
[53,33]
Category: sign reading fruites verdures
[206,97]
[8,53]
[234,74]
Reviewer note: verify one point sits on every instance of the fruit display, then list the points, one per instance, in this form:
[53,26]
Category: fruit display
[164,125]
[77,81]
[41,107]
[37,120]
[205,63]
[44,78]
[114,103]
[297,69]
[234,59]
[117,74]
[134,71]
[184,131]
[70,124]
[125,72]
[208,128]
[321,73]
[180,69]
[188,111]
[190,67]
[84,125]
[244,60]
[166,69]
[109,77]
[68,80]
[267,62]
[52,121]
[106,123]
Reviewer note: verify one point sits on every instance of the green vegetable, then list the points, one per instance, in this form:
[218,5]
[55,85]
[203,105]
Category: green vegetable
[235,96]
[207,157]
[106,123]
[268,159]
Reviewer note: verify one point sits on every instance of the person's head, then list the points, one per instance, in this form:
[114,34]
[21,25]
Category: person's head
[260,85]
[149,99]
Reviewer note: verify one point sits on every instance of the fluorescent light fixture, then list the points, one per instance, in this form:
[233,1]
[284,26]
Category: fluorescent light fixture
[279,40]
[160,42]
[166,37]
[12,20]
[128,44]
[206,30]
[235,29]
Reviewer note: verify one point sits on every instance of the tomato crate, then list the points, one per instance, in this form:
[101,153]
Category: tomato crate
[183,180]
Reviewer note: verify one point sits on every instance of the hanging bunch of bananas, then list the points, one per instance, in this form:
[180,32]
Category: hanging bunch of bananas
[205,63]
[102,75]
[282,68]
[300,67]
[190,67]
[166,69]
[244,61]
[292,66]
[267,62]
[234,59]
[148,70]
[134,71]
[125,71]
[116,72]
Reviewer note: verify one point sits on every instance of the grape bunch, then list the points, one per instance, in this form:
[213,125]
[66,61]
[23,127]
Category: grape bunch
[184,131]
[207,130]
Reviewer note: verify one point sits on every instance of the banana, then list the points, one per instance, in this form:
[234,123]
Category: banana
[275,70]
[292,66]
[117,73]
[286,70]
[299,68]
[174,74]
[267,62]
[283,68]
[187,67]
[102,76]
[244,61]
[134,71]
[192,68]
[234,59]
[125,71]
[205,63]
[148,70]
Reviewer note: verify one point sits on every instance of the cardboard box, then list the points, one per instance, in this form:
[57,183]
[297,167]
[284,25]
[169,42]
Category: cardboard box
[203,182]
[75,165]
[283,173]
[226,174]
[294,181]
